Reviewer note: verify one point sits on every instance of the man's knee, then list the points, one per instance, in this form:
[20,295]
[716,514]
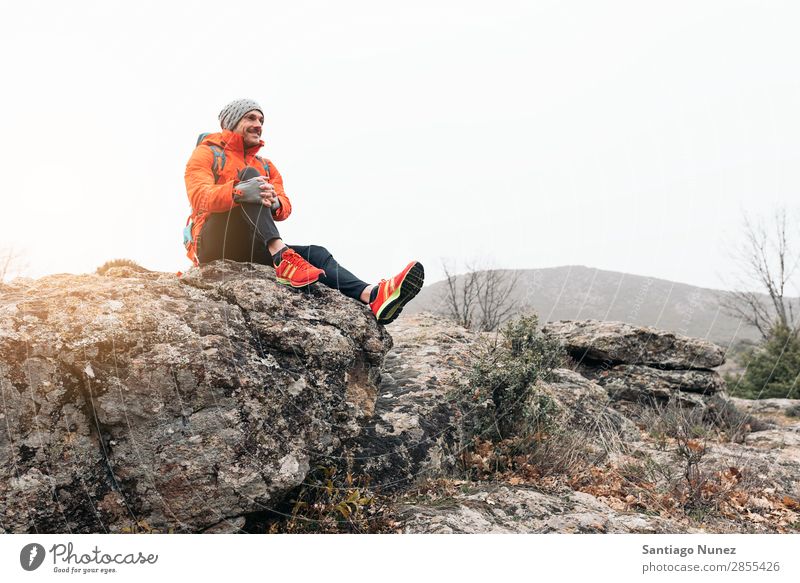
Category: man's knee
[319,253]
[320,250]
[316,255]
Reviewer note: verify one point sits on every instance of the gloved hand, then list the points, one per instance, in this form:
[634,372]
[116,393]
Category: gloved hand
[254,188]
[249,191]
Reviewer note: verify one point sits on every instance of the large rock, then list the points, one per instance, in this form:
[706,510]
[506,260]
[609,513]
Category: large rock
[144,399]
[413,433]
[584,405]
[630,382]
[640,364]
[494,508]
[621,343]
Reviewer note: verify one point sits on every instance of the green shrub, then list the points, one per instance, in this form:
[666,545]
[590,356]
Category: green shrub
[772,369]
[499,399]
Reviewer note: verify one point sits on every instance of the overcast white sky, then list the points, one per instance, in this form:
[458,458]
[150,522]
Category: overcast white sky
[627,135]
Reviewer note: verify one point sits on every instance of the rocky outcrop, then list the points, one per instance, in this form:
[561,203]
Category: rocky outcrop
[621,343]
[632,382]
[183,403]
[502,509]
[640,479]
[414,432]
[641,364]
[139,400]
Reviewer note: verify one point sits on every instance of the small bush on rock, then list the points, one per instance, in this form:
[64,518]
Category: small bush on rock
[508,424]
[499,398]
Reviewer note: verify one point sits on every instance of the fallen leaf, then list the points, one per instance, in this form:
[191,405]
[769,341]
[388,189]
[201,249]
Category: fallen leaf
[790,502]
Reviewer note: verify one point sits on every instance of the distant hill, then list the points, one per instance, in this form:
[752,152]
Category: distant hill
[576,292]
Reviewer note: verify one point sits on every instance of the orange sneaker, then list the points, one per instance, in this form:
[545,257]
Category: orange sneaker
[295,271]
[395,293]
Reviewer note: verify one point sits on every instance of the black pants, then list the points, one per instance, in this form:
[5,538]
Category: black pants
[242,234]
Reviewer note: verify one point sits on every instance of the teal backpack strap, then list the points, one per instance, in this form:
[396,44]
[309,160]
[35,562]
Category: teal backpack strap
[265,164]
[219,161]
[219,156]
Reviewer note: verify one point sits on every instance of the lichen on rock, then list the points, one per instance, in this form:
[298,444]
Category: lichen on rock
[181,402]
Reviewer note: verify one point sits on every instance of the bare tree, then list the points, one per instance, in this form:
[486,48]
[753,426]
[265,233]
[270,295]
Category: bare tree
[480,298]
[461,297]
[768,259]
[494,294]
[11,264]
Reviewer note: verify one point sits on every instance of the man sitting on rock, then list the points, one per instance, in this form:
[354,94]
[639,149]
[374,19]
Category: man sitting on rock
[237,197]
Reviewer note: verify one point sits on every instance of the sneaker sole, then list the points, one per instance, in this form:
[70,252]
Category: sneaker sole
[409,288]
[288,283]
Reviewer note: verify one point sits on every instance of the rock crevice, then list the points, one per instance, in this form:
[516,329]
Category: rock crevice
[635,362]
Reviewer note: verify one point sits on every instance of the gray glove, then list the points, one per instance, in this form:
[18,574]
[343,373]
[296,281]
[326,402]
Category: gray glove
[250,191]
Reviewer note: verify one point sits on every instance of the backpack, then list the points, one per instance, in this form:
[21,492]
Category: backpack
[216,167]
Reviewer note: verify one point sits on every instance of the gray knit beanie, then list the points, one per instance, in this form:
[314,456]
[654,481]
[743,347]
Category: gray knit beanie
[235,110]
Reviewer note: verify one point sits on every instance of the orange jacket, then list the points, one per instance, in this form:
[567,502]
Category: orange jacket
[207,196]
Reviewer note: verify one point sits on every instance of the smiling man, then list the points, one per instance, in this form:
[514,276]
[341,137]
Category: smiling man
[237,197]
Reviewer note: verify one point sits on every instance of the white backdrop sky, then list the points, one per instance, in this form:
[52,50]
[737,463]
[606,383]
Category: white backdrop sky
[623,135]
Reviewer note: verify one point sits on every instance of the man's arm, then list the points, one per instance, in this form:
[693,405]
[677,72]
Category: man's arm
[276,180]
[204,195]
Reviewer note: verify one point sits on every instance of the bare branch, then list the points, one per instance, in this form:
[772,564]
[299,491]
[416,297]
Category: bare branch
[461,296]
[481,298]
[11,263]
[770,258]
